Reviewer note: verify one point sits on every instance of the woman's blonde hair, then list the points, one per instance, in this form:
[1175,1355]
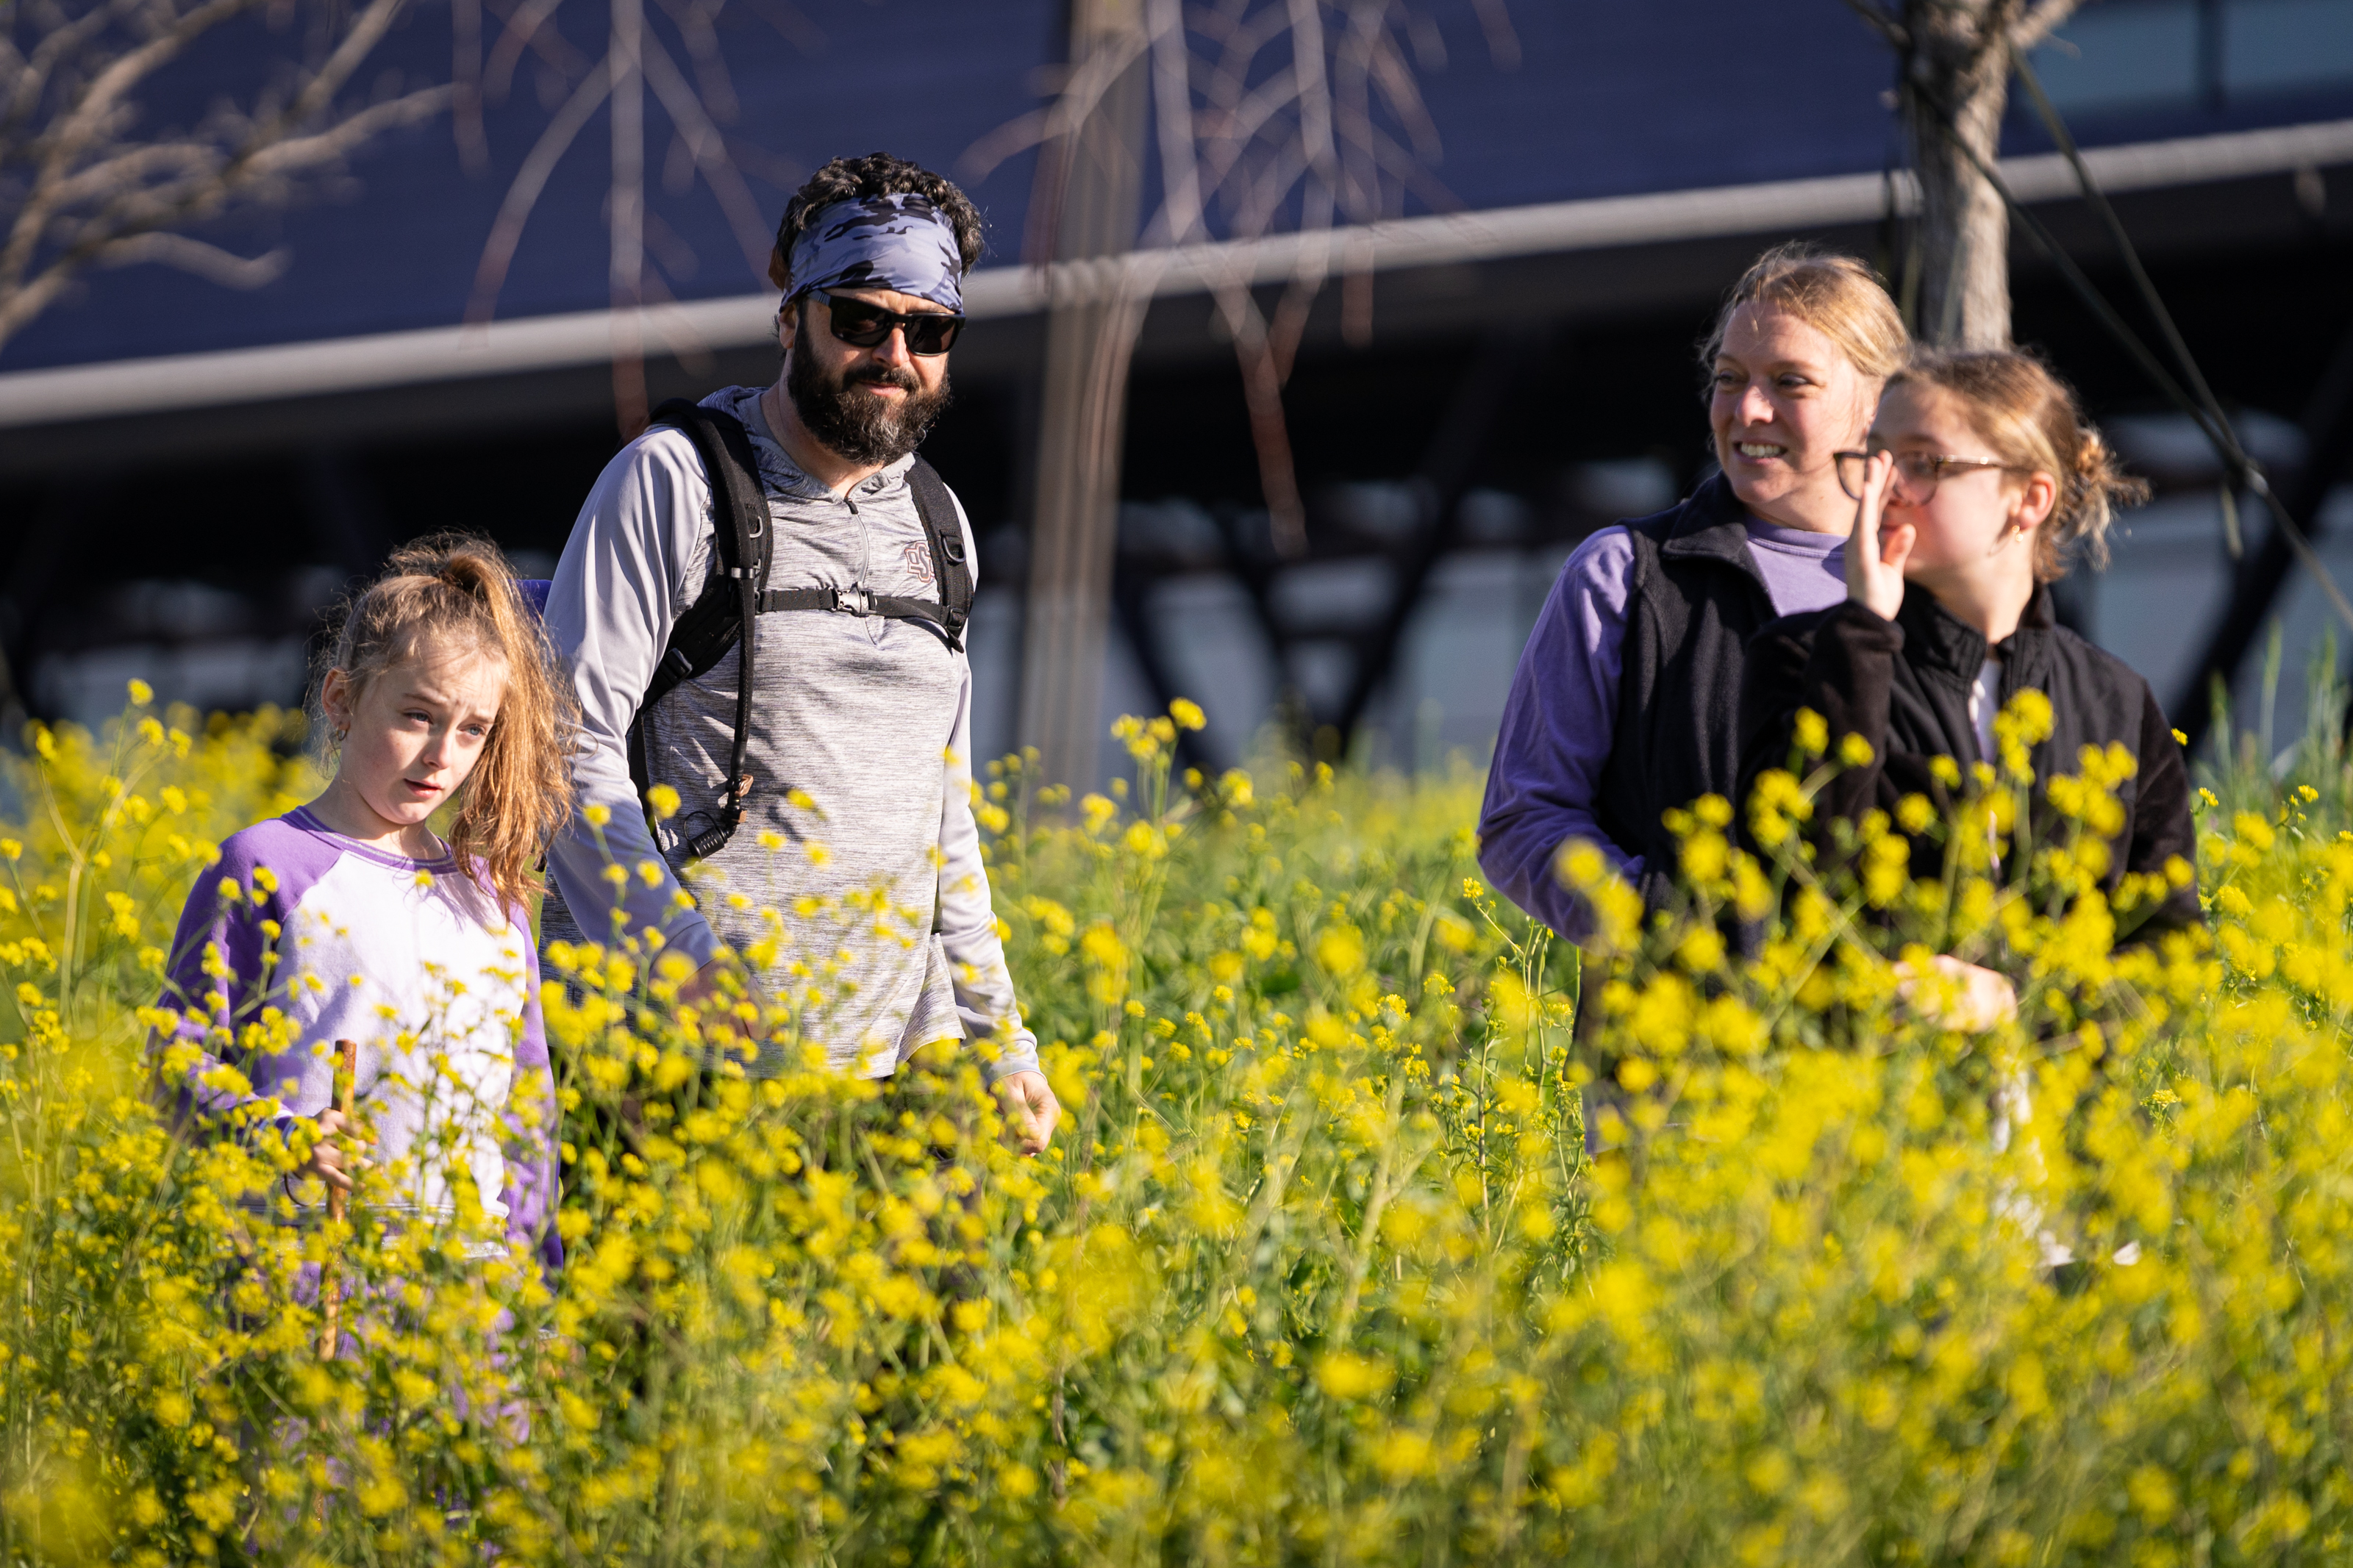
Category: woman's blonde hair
[2031,420]
[459,587]
[1836,295]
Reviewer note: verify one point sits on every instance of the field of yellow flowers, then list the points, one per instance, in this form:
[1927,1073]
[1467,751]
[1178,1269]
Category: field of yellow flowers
[1318,1270]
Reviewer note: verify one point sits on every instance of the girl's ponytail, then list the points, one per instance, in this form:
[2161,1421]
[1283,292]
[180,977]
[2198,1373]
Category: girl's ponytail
[2034,424]
[458,589]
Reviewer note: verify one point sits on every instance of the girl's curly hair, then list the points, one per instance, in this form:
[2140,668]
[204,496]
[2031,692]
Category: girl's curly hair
[2032,421]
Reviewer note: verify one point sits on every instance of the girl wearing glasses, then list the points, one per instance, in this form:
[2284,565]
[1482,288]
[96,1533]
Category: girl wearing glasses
[1981,477]
[1626,701]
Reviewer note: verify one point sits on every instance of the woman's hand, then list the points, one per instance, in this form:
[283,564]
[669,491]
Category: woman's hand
[1029,1104]
[332,1160]
[1875,555]
[1967,997]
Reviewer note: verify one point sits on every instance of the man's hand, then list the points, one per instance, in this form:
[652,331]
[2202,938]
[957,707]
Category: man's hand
[330,1162]
[707,991]
[1963,996]
[1875,555]
[1029,1104]
[703,988]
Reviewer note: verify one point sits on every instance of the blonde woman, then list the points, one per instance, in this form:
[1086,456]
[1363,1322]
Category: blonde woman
[1626,700]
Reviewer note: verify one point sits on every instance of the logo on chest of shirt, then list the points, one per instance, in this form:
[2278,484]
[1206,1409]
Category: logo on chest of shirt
[918,557]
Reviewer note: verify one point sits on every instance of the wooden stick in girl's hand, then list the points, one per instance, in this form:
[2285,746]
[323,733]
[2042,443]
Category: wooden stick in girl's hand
[331,1285]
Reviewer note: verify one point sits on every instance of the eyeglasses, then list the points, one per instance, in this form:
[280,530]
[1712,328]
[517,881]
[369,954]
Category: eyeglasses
[865,326]
[1916,473]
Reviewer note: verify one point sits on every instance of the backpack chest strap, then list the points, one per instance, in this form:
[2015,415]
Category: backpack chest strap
[859,602]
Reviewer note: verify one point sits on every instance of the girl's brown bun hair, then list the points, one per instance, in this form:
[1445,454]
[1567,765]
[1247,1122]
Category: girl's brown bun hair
[456,592]
[2034,423]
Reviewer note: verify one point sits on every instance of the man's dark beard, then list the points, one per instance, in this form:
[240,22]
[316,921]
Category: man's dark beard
[858,424]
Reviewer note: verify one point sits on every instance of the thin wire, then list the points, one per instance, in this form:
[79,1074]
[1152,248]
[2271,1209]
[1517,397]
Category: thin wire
[2215,426]
[2064,140]
[2099,201]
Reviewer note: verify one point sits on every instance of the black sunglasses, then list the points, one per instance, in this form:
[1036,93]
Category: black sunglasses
[865,326]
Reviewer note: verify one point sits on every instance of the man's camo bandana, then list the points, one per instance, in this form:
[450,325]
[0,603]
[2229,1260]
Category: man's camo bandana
[899,242]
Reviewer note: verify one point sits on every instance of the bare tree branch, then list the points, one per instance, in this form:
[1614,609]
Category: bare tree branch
[1890,30]
[527,28]
[1503,38]
[1267,115]
[523,195]
[80,186]
[635,59]
[1180,173]
[1390,73]
[1011,140]
[2041,19]
[209,262]
[90,116]
[346,135]
[466,85]
[701,137]
[1293,112]
[29,75]
[698,28]
[625,205]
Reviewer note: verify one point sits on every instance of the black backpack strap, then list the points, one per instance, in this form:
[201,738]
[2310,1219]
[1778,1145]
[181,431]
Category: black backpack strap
[950,569]
[726,613]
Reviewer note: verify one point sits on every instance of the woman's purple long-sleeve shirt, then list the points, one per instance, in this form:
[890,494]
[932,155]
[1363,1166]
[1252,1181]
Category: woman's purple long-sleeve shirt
[1562,716]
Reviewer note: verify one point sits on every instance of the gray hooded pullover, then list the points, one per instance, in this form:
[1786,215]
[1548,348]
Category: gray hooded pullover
[855,884]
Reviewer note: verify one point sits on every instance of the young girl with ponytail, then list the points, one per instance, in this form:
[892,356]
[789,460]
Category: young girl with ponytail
[1981,478]
[348,919]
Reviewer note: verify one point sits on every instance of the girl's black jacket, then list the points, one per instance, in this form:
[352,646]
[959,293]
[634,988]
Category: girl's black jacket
[1903,686]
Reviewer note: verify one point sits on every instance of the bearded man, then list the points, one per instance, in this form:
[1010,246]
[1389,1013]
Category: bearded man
[823,828]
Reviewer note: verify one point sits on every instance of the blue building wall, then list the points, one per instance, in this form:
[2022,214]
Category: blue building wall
[1604,98]
[401,248]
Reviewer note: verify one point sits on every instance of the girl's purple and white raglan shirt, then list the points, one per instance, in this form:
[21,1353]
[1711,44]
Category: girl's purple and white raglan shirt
[412,960]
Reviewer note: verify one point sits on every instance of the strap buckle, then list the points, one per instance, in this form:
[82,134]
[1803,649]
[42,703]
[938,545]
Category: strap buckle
[853,602]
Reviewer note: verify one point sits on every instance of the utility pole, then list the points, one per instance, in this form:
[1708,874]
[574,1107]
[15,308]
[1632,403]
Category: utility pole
[1092,177]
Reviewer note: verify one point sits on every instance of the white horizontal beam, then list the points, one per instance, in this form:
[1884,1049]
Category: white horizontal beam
[588,337]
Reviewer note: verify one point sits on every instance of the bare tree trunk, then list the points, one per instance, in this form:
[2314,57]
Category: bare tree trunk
[1958,58]
[1090,336]
[1964,230]
[1267,118]
[627,201]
